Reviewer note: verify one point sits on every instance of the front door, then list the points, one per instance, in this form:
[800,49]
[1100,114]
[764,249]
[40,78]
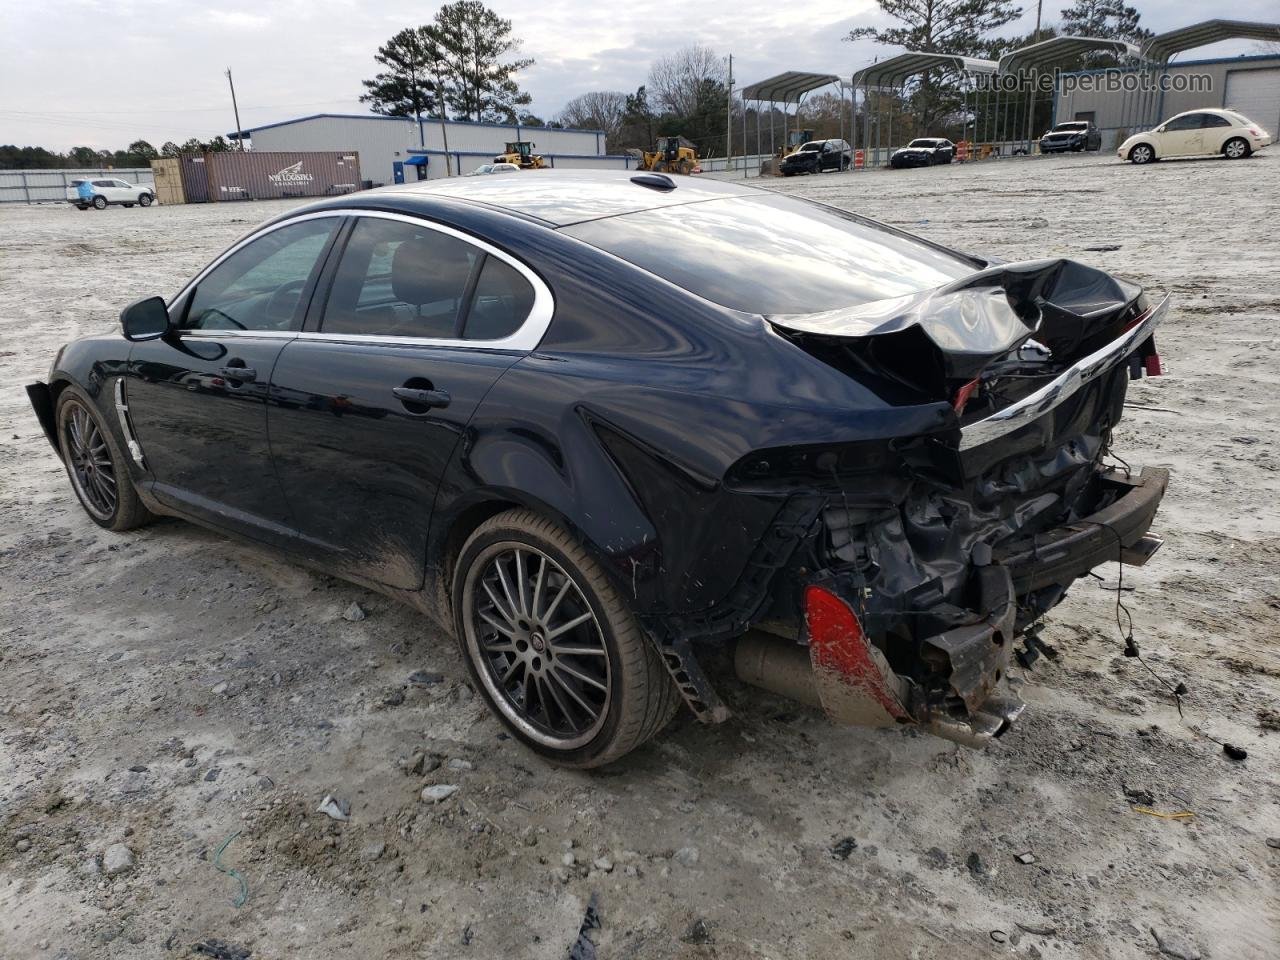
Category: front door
[368,408]
[197,399]
[1182,137]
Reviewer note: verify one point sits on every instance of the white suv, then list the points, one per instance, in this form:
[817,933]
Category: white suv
[107,191]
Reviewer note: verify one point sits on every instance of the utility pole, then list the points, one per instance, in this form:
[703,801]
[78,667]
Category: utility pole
[1031,96]
[236,110]
[728,121]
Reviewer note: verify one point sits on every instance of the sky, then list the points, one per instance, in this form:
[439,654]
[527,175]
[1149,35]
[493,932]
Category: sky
[102,73]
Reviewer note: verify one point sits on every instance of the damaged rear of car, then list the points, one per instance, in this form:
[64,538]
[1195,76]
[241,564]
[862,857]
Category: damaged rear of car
[924,528]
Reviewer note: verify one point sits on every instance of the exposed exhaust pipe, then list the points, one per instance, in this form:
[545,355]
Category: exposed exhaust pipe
[776,665]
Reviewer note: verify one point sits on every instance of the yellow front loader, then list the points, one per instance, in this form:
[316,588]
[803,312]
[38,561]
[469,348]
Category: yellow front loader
[670,155]
[520,152]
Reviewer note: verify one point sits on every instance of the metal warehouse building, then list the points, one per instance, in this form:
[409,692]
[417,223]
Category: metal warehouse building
[393,150]
[1248,85]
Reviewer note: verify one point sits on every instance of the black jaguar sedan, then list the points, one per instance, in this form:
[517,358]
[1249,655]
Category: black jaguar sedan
[923,152]
[599,424]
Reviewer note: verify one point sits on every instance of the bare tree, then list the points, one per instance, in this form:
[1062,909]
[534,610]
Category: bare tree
[597,110]
[676,81]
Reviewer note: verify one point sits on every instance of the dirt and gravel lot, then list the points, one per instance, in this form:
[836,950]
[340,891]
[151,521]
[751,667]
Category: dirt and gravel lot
[166,695]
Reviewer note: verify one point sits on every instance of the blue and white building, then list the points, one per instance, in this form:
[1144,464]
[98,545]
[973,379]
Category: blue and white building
[395,150]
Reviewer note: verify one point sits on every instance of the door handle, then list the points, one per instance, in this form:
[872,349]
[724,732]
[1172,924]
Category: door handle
[239,374]
[425,398]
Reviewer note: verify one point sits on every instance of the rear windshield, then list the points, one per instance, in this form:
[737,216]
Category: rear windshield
[773,255]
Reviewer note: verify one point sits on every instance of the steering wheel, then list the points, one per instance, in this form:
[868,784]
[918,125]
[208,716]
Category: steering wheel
[283,302]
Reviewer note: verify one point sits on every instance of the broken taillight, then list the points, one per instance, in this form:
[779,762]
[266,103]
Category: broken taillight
[963,395]
[839,648]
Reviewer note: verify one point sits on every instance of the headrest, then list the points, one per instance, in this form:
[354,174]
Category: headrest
[427,269]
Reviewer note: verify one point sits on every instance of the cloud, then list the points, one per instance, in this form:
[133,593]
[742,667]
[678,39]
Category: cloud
[294,57]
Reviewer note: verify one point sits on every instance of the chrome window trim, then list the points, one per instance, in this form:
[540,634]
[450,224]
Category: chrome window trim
[1065,385]
[525,339]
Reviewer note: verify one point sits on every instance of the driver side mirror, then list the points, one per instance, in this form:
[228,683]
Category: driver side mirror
[146,319]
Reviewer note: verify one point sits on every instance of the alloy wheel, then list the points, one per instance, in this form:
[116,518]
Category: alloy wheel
[538,646]
[1141,154]
[92,471]
[1236,149]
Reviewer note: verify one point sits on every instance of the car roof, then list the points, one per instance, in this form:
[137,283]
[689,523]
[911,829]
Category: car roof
[1216,110]
[562,197]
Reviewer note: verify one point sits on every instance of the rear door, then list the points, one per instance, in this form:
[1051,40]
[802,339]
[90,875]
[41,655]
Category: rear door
[198,399]
[369,402]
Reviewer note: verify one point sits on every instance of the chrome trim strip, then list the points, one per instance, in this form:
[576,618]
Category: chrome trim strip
[524,340]
[1066,385]
[122,414]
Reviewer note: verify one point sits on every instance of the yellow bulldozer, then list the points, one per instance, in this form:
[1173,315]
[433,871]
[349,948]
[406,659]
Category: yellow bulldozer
[520,152]
[669,155]
[795,140]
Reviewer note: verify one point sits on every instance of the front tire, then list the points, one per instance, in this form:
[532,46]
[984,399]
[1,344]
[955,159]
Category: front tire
[1237,148]
[100,203]
[1141,153]
[144,199]
[96,465]
[552,646]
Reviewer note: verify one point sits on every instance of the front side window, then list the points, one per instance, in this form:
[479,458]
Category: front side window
[1190,122]
[259,287]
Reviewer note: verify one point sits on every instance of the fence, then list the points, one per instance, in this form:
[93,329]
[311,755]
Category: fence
[50,186]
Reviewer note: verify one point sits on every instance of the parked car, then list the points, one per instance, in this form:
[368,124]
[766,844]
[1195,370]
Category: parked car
[1197,133]
[488,168]
[817,156]
[923,152]
[597,423]
[1073,136]
[110,191]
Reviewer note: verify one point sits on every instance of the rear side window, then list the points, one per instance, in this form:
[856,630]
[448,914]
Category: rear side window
[399,279]
[1213,120]
[774,255]
[502,300]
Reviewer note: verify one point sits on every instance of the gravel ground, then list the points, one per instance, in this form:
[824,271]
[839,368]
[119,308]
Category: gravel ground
[167,695]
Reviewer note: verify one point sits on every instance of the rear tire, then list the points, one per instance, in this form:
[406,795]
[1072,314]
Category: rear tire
[525,594]
[96,465]
[1237,148]
[100,203]
[128,206]
[1142,153]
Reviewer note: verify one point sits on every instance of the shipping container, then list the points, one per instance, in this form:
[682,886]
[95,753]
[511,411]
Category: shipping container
[255,175]
[167,172]
[268,175]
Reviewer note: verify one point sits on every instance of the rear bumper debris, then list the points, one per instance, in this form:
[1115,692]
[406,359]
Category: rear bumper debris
[949,678]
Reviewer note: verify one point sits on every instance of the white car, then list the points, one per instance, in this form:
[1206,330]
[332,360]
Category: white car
[1197,133]
[487,168]
[107,191]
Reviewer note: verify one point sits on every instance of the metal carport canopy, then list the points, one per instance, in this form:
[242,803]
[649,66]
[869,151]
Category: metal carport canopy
[1059,49]
[785,87]
[1164,45]
[906,64]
